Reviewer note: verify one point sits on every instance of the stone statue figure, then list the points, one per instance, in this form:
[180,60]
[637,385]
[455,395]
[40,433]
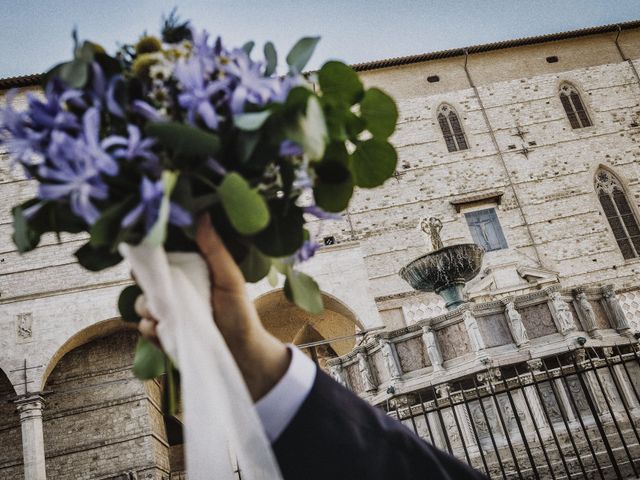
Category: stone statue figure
[390,359]
[564,317]
[473,330]
[615,310]
[433,350]
[516,326]
[365,372]
[432,228]
[337,373]
[588,315]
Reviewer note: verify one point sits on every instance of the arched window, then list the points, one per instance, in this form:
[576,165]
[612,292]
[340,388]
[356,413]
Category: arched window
[451,129]
[620,214]
[573,106]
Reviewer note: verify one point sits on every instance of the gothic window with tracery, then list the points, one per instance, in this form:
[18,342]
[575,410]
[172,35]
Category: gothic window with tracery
[573,107]
[619,213]
[451,129]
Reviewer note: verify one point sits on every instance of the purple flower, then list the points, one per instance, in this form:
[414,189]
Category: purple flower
[197,92]
[94,148]
[146,111]
[71,174]
[51,114]
[204,52]
[319,213]
[282,87]
[251,85]
[289,148]
[132,147]
[307,250]
[23,144]
[148,209]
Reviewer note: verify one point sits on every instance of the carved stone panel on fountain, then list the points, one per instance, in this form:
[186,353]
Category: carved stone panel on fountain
[601,316]
[412,354]
[494,330]
[454,341]
[537,320]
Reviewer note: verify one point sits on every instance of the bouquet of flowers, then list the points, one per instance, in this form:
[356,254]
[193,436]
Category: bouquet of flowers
[130,148]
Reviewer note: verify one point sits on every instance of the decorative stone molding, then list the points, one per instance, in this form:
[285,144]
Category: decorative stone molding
[443,390]
[491,375]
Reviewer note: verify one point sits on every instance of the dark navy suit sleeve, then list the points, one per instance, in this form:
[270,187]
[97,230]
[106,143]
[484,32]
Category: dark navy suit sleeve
[336,435]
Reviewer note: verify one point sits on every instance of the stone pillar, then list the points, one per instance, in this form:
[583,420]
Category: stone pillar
[390,358]
[30,411]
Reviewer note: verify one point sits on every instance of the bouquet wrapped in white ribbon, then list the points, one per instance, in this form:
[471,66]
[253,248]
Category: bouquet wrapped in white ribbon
[132,147]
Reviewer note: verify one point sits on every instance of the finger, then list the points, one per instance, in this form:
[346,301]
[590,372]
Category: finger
[223,268]
[140,306]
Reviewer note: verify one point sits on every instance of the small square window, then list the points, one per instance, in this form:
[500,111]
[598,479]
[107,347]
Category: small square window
[329,240]
[486,230]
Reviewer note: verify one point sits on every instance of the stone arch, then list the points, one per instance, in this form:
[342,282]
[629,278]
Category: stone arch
[10,431]
[97,415]
[96,330]
[285,320]
[576,109]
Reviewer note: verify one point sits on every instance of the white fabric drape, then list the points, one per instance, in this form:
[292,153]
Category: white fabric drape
[220,420]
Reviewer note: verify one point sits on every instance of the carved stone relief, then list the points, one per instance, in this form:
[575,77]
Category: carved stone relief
[453,341]
[24,326]
[412,355]
[494,330]
[537,320]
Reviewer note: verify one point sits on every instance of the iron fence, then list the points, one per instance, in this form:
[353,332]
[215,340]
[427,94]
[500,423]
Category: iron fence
[575,415]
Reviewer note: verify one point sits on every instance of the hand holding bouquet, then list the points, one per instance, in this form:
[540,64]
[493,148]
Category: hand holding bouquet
[131,148]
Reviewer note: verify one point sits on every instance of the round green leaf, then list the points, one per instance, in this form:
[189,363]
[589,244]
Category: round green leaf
[373,162]
[246,209]
[255,266]
[379,112]
[340,82]
[303,290]
[149,361]
[25,237]
[334,186]
[126,303]
[97,258]
[284,234]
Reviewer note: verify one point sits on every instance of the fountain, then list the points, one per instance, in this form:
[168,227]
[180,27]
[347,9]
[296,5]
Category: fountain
[445,270]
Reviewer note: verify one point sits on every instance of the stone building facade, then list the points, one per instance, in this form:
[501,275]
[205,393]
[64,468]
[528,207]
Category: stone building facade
[528,147]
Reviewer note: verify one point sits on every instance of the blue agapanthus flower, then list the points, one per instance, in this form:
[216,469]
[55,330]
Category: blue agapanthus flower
[134,147]
[69,174]
[308,250]
[95,148]
[148,210]
[22,143]
[251,85]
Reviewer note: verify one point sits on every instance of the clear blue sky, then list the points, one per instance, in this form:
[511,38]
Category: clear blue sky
[36,34]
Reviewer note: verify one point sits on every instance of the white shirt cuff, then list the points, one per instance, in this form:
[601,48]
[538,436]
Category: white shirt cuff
[278,407]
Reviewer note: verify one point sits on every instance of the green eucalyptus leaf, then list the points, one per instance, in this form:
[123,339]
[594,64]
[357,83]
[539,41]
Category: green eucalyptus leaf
[301,53]
[283,236]
[248,47]
[186,143]
[340,83]
[379,112]
[373,162]
[24,236]
[97,258]
[333,187]
[126,303]
[297,100]
[310,130]
[271,56]
[86,52]
[245,207]
[148,362]
[251,121]
[74,73]
[246,145]
[303,290]
[255,265]
[107,227]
